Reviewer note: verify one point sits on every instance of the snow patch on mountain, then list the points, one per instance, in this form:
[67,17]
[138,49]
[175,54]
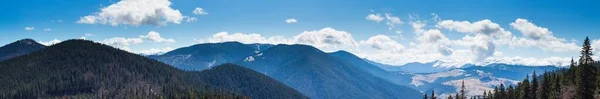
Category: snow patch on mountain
[249,59]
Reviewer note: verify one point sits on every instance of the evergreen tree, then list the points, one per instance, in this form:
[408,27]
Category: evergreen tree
[587,72]
[511,93]
[463,91]
[586,52]
[484,94]
[525,89]
[433,95]
[457,96]
[544,87]
[450,97]
[534,86]
[502,92]
[425,96]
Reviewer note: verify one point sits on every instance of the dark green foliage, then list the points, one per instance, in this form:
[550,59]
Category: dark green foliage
[433,95]
[84,69]
[18,48]
[246,82]
[580,81]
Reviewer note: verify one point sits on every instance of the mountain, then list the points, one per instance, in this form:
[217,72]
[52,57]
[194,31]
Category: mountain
[321,76]
[260,47]
[18,48]
[477,78]
[397,77]
[246,82]
[84,69]
[414,67]
[202,56]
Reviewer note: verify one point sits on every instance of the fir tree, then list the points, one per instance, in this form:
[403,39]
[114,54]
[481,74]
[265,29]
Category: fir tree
[433,95]
[425,96]
[462,91]
[534,86]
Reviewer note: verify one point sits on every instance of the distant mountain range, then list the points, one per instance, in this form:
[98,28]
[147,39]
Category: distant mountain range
[18,48]
[84,69]
[304,68]
[322,76]
[447,81]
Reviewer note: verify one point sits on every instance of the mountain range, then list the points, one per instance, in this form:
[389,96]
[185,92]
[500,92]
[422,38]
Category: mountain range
[84,69]
[233,69]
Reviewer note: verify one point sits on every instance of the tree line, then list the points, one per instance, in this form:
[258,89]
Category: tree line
[579,81]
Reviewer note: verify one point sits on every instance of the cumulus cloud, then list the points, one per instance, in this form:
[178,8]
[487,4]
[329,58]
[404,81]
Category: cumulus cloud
[191,19]
[374,17]
[155,36]
[383,43]
[51,42]
[540,37]
[245,38]
[29,28]
[390,20]
[199,11]
[327,39]
[135,13]
[485,26]
[291,21]
[122,43]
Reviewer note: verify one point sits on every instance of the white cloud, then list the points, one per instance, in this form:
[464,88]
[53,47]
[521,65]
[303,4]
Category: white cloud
[530,61]
[47,29]
[383,43]
[485,26]
[374,17]
[135,13]
[51,42]
[29,28]
[199,11]
[540,37]
[245,38]
[191,19]
[155,36]
[154,51]
[392,20]
[291,21]
[122,43]
[327,38]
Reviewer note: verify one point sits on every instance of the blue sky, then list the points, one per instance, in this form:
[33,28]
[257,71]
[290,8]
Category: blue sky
[570,21]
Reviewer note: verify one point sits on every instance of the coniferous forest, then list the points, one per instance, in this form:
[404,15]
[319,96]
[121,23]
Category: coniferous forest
[580,81]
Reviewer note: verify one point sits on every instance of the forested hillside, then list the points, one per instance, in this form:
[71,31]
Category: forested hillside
[84,69]
[578,82]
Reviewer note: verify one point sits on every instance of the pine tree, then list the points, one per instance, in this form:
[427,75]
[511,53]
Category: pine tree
[587,72]
[433,95]
[484,94]
[586,52]
[450,97]
[425,96]
[557,86]
[525,89]
[463,91]
[502,92]
[534,86]
[544,87]
[510,94]
[457,96]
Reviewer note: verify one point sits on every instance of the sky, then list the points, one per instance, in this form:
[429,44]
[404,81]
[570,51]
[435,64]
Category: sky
[396,32]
